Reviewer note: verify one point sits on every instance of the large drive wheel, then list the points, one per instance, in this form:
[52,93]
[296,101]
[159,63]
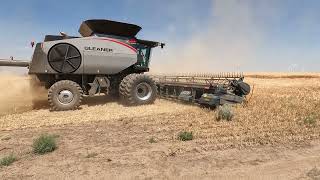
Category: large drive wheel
[138,89]
[65,95]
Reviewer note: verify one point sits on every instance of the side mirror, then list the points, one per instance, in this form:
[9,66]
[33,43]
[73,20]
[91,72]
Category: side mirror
[162,45]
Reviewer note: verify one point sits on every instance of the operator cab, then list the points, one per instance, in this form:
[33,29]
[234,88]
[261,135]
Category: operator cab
[143,55]
[144,48]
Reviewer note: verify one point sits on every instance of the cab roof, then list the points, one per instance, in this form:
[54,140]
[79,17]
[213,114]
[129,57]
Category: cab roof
[108,27]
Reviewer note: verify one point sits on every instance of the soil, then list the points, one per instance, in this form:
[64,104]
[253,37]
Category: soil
[269,138]
[120,149]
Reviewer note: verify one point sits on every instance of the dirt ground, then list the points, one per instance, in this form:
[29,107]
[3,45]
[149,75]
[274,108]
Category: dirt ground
[271,137]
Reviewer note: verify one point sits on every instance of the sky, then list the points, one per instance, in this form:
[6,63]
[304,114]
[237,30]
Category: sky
[200,36]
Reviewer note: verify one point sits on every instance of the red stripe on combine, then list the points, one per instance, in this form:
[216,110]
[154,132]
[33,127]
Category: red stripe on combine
[118,42]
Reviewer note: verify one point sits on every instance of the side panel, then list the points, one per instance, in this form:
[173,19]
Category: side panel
[39,61]
[99,55]
[107,56]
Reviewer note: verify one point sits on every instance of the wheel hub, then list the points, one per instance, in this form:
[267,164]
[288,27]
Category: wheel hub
[65,96]
[144,91]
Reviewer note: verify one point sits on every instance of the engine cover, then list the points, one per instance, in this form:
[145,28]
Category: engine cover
[88,55]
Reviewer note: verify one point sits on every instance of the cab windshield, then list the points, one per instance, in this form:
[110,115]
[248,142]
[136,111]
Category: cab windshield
[143,55]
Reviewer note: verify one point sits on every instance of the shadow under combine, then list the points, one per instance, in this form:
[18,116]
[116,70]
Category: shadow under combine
[98,100]
[89,101]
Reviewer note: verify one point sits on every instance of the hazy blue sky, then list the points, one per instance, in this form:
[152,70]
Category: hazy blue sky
[201,35]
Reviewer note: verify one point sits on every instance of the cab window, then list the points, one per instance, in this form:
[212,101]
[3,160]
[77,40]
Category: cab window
[144,55]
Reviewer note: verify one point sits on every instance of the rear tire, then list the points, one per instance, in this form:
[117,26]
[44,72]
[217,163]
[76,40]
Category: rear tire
[65,95]
[138,89]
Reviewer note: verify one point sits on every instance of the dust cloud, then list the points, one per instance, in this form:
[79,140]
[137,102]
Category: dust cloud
[19,93]
[227,42]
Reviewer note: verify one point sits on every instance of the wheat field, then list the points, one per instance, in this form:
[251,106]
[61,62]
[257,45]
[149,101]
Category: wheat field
[279,110]
[281,114]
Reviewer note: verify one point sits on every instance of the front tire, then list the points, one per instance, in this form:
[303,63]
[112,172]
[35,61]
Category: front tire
[65,95]
[138,89]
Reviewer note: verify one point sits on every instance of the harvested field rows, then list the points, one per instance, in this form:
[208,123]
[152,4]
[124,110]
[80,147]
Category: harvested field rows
[277,112]
[275,135]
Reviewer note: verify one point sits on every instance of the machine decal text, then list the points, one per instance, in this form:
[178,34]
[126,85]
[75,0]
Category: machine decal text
[91,48]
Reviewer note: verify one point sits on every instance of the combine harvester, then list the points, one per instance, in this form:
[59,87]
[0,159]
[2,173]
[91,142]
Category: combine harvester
[109,59]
